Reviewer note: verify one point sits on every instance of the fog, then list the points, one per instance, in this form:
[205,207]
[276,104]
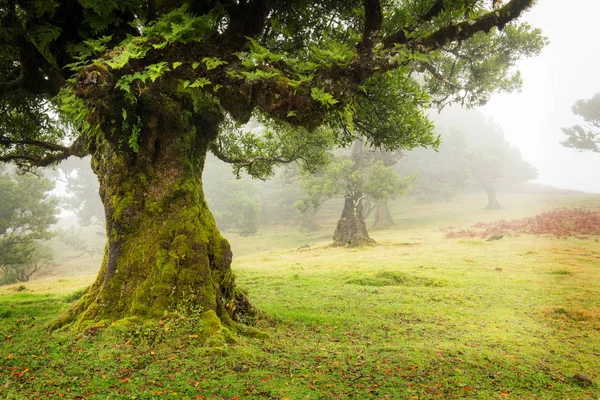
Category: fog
[567,70]
[524,126]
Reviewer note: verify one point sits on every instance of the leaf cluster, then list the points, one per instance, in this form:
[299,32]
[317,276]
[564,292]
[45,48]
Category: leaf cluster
[585,137]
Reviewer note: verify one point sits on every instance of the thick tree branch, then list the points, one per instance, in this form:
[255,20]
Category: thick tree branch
[464,30]
[55,153]
[459,32]
[400,36]
[373,21]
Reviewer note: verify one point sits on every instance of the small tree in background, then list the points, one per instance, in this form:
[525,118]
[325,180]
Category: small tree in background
[495,162]
[585,137]
[487,157]
[439,175]
[366,173]
[81,191]
[318,188]
[26,213]
[381,184]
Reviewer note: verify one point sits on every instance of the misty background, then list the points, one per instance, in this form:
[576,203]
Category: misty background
[566,71]
[510,145]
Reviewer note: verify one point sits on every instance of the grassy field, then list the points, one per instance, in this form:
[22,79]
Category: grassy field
[417,316]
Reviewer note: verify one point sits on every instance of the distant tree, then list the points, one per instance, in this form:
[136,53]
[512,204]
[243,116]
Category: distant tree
[441,174]
[585,137]
[75,239]
[279,195]
[26,213]
[81,191]
[490,159]
[381,184]
[233,199]
[474,151]
[366,172]
[319,187]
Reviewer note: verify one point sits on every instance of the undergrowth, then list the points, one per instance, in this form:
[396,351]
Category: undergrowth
[564,222]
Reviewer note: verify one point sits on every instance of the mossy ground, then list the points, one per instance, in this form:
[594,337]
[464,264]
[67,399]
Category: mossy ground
[417,316]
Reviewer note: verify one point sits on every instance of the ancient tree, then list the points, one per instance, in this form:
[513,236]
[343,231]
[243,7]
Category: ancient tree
[148,87]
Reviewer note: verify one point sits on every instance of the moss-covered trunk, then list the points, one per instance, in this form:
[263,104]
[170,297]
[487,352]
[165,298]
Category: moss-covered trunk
[164,250]
[383,217]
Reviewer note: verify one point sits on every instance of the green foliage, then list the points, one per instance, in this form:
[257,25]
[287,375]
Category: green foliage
[326,99]
[375,179]
[26,213]
[383,182]
[390,114]
[155,71]
[468,73]
[213,62]
[263,144]
[182,26]
[328,183]
[585,137]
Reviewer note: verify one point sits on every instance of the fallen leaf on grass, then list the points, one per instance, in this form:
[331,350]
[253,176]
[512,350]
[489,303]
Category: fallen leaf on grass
[10,356]
[20,374]
[504,394]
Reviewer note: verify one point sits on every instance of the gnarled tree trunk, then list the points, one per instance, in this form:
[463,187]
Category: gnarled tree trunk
[351,228]
[492,199]
[164,249]
[383,217]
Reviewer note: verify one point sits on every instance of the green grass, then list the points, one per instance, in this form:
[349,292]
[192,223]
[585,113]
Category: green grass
[417,316]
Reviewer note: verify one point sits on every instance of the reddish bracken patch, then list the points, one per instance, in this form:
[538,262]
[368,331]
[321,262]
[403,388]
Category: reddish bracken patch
[562,222]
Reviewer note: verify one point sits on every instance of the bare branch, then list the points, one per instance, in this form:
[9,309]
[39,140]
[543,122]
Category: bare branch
[57,153]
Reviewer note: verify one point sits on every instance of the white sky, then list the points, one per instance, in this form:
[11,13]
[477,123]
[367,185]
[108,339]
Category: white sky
[567,70]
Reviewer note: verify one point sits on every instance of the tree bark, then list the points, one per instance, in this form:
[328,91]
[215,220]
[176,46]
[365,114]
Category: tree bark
[383,217]
[492,199]
[164,250]
[351,228]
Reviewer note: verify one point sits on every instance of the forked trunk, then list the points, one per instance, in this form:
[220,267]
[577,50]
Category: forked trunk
[383,217]
[492,199]
[351,228]
[164,250]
